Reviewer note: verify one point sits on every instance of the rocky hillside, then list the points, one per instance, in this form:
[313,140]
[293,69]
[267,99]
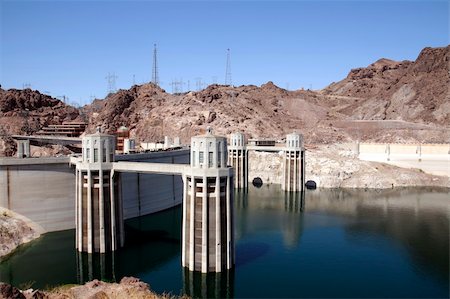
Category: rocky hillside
[413,96]
[26,111]
[264,111]
[387,101]
[415,91]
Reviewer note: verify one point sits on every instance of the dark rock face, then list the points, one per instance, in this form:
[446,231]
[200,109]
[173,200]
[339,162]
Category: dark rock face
[7,291]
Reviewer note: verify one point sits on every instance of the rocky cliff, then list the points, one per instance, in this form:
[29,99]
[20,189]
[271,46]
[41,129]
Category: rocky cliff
[415,91]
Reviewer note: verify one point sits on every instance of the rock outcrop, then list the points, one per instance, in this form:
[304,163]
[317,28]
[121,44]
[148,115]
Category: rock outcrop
[15,231]
[415,91]
[335,166]
[128,287]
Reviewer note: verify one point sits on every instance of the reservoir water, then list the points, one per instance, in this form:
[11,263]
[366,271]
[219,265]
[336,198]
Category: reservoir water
[324,243]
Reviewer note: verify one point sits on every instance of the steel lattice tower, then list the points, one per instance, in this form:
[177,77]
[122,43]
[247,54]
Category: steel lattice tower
[155,76]
[111,78]
[228,70]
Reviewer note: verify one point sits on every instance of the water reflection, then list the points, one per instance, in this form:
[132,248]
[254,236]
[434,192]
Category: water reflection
[270,209]
[417,219]
[211,285]
[321,243]
[95,266]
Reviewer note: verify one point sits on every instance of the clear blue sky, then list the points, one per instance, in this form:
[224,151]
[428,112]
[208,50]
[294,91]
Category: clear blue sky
[68,47]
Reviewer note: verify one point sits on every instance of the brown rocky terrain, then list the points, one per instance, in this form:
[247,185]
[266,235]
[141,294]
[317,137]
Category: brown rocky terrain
[26,111]
[387,101]
[415,91]
[128,287]
[392,101]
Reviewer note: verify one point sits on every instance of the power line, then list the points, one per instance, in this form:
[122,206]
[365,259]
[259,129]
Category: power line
[228,70]
[155,76]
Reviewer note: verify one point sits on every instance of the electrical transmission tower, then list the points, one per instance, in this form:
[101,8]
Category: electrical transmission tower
[111,79]
[177,86]
[228,70]
[199,83]
[155,76]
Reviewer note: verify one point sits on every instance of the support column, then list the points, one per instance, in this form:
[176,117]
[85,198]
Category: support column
[120,207]
[192,224]
[101,207]
[113,213]
[205,225]
[295,186]
[79,231]
[218,228]
[89,212]
[183,228]
[289,171]
[76,207]
[303,170]
[229,233]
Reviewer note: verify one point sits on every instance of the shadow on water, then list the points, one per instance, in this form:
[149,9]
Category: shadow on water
[248,252]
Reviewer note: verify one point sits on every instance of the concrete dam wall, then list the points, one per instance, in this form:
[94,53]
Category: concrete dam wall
[43,189]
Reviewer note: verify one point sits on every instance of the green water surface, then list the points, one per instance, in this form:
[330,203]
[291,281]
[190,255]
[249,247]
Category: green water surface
[323,243]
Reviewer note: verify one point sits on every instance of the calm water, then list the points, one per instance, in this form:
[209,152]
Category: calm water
[327,243]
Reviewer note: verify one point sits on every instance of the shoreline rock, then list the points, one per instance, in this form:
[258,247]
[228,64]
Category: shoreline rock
[15,230]
[334,166]
[128,287]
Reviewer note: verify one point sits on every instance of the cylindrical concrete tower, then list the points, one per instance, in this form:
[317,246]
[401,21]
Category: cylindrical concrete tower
[23,148]
[238,159]
[208,225]
[99,216]
[294,163]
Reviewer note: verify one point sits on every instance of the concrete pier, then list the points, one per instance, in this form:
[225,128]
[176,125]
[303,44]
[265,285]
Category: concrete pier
[208,213]
[238,158]
[99,212]
[293,163]
[293,159]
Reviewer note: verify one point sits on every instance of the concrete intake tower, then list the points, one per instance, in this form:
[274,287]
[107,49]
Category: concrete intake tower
[208,189]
